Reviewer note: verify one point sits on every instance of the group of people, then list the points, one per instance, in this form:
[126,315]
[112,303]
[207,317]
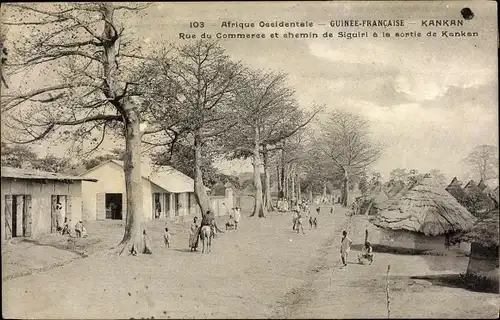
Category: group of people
[345,246]
[64,227]
[208,219]
[234,219]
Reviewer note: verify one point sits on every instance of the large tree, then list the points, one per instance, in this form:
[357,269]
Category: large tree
[267,113]
[90,89]
[345,140]
[191,92]
[483,162]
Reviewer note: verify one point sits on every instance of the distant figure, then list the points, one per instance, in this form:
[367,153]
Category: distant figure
[317,210]
[65,229]
[79,229]
[230,223]
[193,235]
[58,216]
[158,209]
[237,217]
[299,224]
[345,247]
[295,216]
[366,253]
[166,238]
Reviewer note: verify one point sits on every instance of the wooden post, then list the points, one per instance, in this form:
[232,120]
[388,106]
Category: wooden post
[387,292]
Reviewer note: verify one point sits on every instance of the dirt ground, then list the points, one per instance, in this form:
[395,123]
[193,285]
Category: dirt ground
[262,270]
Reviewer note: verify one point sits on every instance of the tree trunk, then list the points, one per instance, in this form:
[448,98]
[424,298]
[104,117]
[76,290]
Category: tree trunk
[299,193]
[367,212]
[258,209]
[280,182]
[293,186]
[310,195]
[324,189]
[345,190]
[135,238]
[286,184]
[268,203]
[282,175]
[199,189]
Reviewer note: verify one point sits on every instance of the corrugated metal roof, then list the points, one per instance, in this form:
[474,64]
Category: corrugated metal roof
[32,174]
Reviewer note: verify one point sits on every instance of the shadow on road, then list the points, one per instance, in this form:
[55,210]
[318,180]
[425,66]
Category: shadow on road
[462,281]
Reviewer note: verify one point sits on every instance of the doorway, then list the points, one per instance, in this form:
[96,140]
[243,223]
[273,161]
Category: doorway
[58,212]
[18,222]
[161,205]
[114,206]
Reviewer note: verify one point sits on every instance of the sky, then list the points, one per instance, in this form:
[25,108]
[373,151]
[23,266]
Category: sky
[430,101]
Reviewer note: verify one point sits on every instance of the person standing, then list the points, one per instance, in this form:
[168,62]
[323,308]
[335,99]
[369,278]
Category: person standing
[79,229]
[58,216]
[193,235]
[237,217]
[345,247]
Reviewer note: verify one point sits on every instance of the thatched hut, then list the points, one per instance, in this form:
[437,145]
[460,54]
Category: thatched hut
[373,201]
[481,185]
[395,188]
[423,218]
[471,187]
[484,239]
[455,189]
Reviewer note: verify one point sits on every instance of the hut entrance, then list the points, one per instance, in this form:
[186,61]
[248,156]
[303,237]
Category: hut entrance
[114,206]
[17,216]
[59,212]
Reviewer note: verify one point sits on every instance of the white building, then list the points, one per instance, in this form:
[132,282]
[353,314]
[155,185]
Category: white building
[29,199]
[165,190]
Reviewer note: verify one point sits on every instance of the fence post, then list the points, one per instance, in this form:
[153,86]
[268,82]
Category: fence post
[387,292]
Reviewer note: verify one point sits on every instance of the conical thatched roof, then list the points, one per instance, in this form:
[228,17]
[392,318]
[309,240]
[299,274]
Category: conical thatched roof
[395,188]
[455,189]
[485,230]
[377,194]
[426,208]
[481,185]
[471,187]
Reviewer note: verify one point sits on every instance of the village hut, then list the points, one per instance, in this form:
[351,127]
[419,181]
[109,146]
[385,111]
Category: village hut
[471,188]
[477,199]
[484,239]
[373,201]
[455,189]
[423,218]
[481,185]
[395,188]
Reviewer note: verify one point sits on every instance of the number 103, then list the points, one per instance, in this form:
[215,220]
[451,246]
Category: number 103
[196,24]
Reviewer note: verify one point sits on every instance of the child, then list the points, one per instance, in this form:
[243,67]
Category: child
[166,237]
[299,224]
[366,253]
[345,247]
[230,223]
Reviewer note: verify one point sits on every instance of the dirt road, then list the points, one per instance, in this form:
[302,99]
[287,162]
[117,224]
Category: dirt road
[263,270]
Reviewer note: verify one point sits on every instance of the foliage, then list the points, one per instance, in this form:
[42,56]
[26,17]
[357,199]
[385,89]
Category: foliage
[115,154]
[16,155]
[483,162]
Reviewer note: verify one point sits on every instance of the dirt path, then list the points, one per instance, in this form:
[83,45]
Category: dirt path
[248,271]
[359,291]
[263,270]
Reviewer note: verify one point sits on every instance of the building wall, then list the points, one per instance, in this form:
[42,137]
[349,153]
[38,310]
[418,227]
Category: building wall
[410,240]
[484,262]
[41,201]
[111,179]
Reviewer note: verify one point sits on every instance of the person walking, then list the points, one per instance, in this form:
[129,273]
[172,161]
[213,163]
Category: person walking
[237,217]
[345,247]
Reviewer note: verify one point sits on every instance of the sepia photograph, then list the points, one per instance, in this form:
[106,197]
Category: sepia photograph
[244,160]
